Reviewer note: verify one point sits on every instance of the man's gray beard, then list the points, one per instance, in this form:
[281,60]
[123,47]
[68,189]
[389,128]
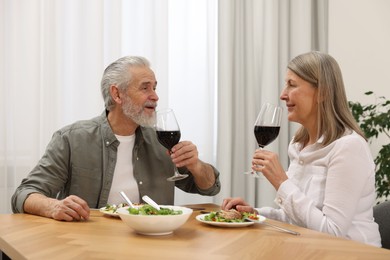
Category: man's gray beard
[136,114]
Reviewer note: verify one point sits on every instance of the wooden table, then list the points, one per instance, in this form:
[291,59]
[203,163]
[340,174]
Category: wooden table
[24,236]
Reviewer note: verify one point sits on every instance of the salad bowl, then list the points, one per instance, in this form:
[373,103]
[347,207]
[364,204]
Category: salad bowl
[155,224]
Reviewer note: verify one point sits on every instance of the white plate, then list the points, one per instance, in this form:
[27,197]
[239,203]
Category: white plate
[108,212]
[227,224]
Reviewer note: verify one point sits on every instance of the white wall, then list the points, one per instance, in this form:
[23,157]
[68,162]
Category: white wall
[359,39]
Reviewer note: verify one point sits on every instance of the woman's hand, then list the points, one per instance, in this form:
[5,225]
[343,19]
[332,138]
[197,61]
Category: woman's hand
[268,163]
[237,203]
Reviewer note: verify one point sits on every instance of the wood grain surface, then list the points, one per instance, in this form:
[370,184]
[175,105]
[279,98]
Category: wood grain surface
[24,236]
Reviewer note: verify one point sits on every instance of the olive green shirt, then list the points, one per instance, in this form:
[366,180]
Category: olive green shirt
[80,160]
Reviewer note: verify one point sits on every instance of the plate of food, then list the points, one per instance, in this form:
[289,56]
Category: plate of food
[229,218]
[111,210]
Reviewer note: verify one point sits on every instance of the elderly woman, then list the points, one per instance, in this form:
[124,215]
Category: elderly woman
[330,182]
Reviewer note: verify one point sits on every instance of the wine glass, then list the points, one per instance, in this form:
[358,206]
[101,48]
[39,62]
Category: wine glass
[168,134]
[267,127]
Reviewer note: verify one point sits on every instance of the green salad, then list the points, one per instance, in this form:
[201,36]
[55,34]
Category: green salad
[229,216]
[149,210]
[113,208]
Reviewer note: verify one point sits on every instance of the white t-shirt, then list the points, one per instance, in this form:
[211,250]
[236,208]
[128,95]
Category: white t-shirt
[330,189]
[123,175]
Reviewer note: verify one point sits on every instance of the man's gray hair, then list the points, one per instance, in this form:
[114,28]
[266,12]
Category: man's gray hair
[117,73]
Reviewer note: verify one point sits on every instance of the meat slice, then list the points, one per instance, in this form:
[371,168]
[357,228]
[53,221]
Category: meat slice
[230,214]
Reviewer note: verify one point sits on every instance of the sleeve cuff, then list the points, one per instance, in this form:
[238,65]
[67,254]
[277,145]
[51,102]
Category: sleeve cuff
[285,190]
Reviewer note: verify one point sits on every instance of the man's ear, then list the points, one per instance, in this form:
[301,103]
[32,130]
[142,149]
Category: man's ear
[114,92]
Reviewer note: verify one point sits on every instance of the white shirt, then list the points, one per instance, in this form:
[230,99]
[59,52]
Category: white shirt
[123,175]
[330,189]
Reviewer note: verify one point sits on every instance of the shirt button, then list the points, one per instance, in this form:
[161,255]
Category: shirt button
[107,142]
[300,162]
[280,200]
[140,183]
[137,158]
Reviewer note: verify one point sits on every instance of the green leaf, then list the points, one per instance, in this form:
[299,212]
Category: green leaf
[374,120]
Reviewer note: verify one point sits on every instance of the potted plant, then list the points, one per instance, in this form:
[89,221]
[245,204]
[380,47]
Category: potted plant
[374,120]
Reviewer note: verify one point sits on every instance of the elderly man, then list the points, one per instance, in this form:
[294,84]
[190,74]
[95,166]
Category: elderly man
[88,163]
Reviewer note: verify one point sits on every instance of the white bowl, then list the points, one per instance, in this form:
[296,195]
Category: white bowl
[155,224]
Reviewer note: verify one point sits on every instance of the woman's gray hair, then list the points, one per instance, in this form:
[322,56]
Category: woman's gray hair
[334,115]
[118,74]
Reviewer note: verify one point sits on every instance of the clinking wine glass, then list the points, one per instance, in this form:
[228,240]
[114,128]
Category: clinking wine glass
[168,134]
[267,127]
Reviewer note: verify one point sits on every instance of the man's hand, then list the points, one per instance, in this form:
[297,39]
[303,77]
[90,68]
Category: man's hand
[69,209]
[185,154]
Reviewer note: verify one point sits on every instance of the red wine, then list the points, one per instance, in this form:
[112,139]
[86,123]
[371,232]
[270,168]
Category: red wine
[168,138]
[266,134]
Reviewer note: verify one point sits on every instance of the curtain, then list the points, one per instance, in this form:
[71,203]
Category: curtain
[215,61]
[52,56]
[256,40]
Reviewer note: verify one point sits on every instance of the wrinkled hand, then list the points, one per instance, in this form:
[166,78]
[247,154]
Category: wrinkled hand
[237,203]
[185,154]
[69,209]
[268,163]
